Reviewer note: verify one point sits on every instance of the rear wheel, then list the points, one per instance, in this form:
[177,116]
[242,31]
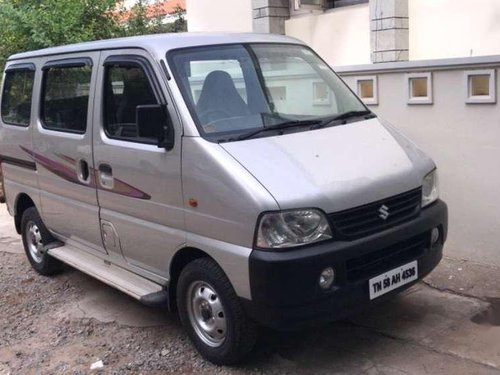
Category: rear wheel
[35,236]
[212,314]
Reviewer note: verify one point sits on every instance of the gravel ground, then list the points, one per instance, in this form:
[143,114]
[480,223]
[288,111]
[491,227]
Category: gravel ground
[35,339]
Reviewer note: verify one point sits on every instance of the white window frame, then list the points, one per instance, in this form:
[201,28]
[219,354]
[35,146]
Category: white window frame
[480,99]
[278,87]
[317,101]
[419,99]
[367,101]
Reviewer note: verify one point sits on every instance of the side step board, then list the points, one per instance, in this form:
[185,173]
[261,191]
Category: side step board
[130,283]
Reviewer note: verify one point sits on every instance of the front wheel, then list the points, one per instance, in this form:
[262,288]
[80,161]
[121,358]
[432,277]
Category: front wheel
[212,314]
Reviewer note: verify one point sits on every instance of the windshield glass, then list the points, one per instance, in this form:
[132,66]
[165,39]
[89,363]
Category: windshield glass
[233,89]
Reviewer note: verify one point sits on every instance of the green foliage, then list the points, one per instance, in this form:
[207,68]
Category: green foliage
[34,24]
[180,23]
[137,24]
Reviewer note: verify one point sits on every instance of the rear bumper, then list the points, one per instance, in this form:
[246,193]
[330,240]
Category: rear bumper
[284,285]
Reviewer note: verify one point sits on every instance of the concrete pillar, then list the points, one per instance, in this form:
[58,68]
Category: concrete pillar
[269,15]
[389,30]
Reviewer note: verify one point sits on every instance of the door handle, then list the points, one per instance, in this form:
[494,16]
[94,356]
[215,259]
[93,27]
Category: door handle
[83,172]
[106,176]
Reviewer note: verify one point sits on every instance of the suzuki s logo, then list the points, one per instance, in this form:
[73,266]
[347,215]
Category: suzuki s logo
[383,212]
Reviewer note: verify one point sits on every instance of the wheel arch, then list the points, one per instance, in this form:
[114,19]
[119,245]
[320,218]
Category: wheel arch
[180,260]
[22,203]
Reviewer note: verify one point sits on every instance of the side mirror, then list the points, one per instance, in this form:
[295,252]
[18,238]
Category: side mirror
[153,121]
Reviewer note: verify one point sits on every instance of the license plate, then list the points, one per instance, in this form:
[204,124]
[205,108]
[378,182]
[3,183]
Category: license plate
[393,279]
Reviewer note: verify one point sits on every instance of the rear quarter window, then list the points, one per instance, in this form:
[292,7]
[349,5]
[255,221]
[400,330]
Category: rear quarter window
[65,98]
[16,97]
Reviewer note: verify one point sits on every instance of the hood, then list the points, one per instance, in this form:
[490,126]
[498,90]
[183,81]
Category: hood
[334,168]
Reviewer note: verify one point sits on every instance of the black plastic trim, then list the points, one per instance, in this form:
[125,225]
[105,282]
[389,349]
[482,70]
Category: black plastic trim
[68,63]
[83,50]
[158,299]
[23,66]
[340,230]
[53,245]
[284,286]
[18,162]
[165,70]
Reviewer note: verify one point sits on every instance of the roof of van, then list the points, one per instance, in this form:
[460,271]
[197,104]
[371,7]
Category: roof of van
[159,43]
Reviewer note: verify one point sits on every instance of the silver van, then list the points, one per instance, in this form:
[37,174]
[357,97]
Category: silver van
[233,178]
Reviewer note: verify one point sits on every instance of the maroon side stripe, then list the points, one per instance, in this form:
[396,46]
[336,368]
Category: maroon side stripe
[69,174]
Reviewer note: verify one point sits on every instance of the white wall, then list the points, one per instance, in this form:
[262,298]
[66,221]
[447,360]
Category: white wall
[454,28]
[464,141]
[341,36]
[219,15]
[438,28]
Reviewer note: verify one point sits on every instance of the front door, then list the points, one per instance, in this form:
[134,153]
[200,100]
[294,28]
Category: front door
[62,148]
[139,184]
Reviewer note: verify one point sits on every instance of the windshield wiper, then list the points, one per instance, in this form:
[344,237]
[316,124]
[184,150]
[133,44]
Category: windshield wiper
[344,116]
[314,123]
[281,126]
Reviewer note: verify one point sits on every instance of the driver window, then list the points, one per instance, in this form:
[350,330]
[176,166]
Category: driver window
[126,87]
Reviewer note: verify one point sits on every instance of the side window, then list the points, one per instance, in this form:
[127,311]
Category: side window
[16,97]
[65,98]
[126,86]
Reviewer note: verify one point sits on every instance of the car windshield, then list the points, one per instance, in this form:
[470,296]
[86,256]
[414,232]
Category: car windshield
[233,90]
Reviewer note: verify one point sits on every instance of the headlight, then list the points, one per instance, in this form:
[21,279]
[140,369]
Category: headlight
[430,191]
[292,228]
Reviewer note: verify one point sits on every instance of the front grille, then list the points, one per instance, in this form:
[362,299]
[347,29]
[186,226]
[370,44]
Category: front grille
[364,220]
[377,262]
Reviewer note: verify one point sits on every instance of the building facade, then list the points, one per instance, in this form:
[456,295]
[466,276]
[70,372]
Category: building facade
[349,32]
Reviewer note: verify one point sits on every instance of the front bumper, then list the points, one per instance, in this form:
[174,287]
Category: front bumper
[284,284]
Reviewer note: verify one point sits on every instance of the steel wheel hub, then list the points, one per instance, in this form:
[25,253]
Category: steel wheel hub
[206,313]
[35,244]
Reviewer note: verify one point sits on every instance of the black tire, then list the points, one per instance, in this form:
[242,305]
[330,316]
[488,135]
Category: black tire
[42,263]
[240,332]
